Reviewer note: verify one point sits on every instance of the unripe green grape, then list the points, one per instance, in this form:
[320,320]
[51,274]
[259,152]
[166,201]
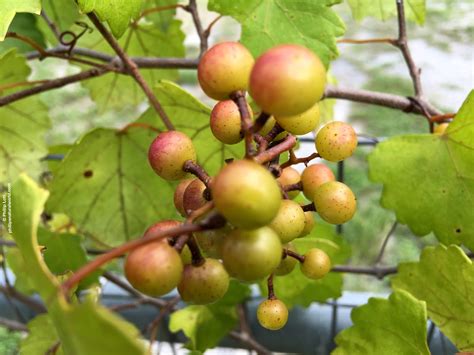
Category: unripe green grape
[301,123]
[440,128]
[267,127]
[314,176]
[226,123]
[250,255]
[246,194]
[154,269]
[272,314]
[335,202]
[290,176]
[210,241]
[225,68]
[168,153]
[308,224]
[289,221]
[193,197]
[178,196]
[336,141]
[205,283]
[186,256]
[287,263]
[287,80]
[316,264]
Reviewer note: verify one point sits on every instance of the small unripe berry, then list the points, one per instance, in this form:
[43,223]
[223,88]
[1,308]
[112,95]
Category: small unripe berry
[168,153]
[314,176]
[335,202]
[336,141]
[178,195]
[210,241]
[301,123]
[226,123]
[193,197]
[289,176]
[289,221]
[316,264]
[287,263]
[272,314]
[308,224]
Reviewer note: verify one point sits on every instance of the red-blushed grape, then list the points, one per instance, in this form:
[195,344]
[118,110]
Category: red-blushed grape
[272,314]
[290,176]
[314,176]
[226,123]
[336,141]
[193,197]
[178,195]
[335,202]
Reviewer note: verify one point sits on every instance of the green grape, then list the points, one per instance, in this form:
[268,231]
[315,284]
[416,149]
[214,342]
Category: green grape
[289,221]
[226,123]
[272,314]
[225,68]
[178,195]
[287,263]
[210,241]
[336,141]
[193,197]
[246,194]
[335,202]
[250,255]
[185,255]
[267,127]
[314,176]
[290,176]
[168,153]
[205,283]
[301,123]
[308,224]
[316,264]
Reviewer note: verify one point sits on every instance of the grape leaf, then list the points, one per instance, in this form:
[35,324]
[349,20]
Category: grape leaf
[444,279]
[190,116]
[117,13]
[393,326]
[26,25]
[63,13]
[384,9]
[162,19]
[42,336]
[11,7]
[295,288]
[23,124]
[16,265]
[270,22]
[80,327]
[206,325]
[106,185]
[442,204]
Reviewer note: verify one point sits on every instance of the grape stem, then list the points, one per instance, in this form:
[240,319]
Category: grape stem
[265,141]
[198,171]
[293,254]
[268,155]
[271,291]
[294,160]
[260,122]
[309,207]
[293,187]
[197,258]
[239,98]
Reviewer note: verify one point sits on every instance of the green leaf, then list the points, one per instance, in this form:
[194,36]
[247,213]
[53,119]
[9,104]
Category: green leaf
[80,327]
[42,336]
[16,264]
[390,327]
[10,7]
[162,19]
[26,25]
[443,203]
[191,116]
[63,13]
[205,326]
[295,288]
[23,124]
[106,185]
[384,9]
[444,279]
[311,23]
[117,13]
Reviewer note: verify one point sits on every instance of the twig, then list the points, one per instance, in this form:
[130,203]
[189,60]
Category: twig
[13,325]
[271,291]
[52,26]
[30,302]
[293,254]
[266,156]
[192,8]
[378,271]
[157,9]
[207,31]
[366,41]
[198,171]
[309,207]
[294,160]
[248,340]
[294,187]
[239,98]
[28,41]
[385,242]
[442,118]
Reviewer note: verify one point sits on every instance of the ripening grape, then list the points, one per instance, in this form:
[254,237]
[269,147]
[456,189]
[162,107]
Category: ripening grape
[193,197]
[316,264]
[289,221]
[267,127]
[301,123]
[287,80]
[168,153]
[250,255]
[336,141]
[178,196]
[246,194]
[163,226]
[314,176]
[287,263]
[290,176]
[225,68]
[272,314]
[308,224]
[226,122]
[440,128]
[210,241]
[335,202]
[205,283]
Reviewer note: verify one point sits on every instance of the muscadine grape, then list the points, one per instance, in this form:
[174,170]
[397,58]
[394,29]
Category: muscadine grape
[308,224]
[287,263]
[335,202]
[316,264]
[289,221]
[225,68]
[290,176]
[440,128]
[154,269]
[336,141]
[178,196]
[301,123]
[168,153]
[246,194]
[250,255]
[267,127]
[210,241]
[193,197]
[204,283]
[186,256]
[287,80]
[314,176]
[226,123]
[272,314]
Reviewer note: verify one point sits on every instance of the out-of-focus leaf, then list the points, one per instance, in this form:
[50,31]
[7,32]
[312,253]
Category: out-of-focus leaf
[25,25]
[385,9]
[11,7]
[42,336]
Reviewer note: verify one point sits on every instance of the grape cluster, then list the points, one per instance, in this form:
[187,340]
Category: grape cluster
[253,196]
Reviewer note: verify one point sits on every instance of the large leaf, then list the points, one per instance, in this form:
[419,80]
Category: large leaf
[384,9]
[23,124]
[429,180]
[25,25]
[80,327]
[162,19]
[295,288]
[42,336]
[117,13]
[206,325]
[8,9]
[266,23]
[389,327]
[444,279]
[106,185]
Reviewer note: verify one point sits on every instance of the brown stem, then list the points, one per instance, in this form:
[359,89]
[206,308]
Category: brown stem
[309,207]
[260,122]
[442,118]
[239,98]
[293,254]
[378,271]
[13,325]
[30,302]
[294,160]
[268,155]
[21,83]
[153,327]
[294,187]
[249,341]
[52,26]
[192,8]
[198,171]
[366,41]
[156,9]
[28,41]
[385,242]
[271,291]
[207,32]
[197,258]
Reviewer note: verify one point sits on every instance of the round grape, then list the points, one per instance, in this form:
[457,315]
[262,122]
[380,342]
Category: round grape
[316,264]
[314,176]
[301,123]
[226,122]
[290,176]
[287,263]
[193,197]
[272,314]
[178,196]
[289,221]
[335,202]
[336,141]
[308,224]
